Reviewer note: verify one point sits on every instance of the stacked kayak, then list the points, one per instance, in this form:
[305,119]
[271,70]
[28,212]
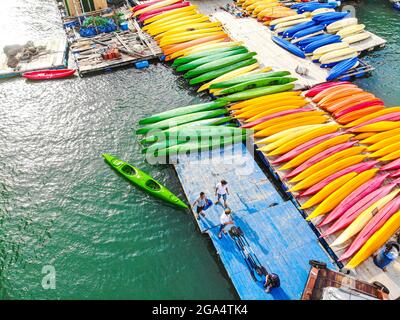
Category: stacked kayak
[194,128]
[143,181]
[266,10]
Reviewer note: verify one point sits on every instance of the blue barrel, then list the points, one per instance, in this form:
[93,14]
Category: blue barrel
[124,26]
[141,64]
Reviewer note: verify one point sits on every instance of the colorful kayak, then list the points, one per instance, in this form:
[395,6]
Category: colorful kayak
[270,81]
[341,68]
[48,74]
[182,111]
[245,78]
[321,87]
[144,181]
[376,241]
[341,193]
[360,167]
[376,116]
[359,106]
[187,118]
[372,226]
[394,165]
[363,204]
[354,197]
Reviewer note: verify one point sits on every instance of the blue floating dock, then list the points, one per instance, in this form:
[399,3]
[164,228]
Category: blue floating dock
[278,234]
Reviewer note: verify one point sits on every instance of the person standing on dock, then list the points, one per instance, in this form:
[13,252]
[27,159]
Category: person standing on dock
[387,255]
[271,281]
[225,219]
[201,203]
[221,191]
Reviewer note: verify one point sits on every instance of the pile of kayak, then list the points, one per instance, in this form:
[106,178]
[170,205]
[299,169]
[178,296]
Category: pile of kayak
[318,31]
[205,54]
[194,128]
[346,177]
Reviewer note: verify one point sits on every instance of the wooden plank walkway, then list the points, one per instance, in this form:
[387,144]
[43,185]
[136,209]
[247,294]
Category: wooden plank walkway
[54,58]
[278,234]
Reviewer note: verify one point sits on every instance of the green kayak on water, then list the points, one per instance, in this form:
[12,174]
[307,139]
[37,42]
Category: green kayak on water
[249,77]
[218,64]
[219,72]
[187,118]
[144,181]
[198,62]
[200,146]
[257,84]
[182,111]
[258,92]
[197,55]
[210,123]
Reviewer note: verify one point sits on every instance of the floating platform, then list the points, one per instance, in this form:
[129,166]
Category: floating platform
[54,57]
[279,236]
[257,37]
[87,51]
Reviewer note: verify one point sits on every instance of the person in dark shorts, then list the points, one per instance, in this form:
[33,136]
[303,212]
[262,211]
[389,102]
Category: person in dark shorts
[271,281]
[201,202]
[225,220]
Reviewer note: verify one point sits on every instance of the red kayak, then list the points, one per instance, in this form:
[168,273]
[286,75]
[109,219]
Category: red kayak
[48,74]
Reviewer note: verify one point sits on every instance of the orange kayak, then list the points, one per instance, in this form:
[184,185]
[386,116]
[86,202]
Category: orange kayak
[324,93]
[345,102]
[358,114]
[364,135]
[176,47]
[339,94]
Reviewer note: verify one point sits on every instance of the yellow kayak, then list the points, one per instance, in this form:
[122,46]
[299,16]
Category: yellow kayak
[384,142]
[182,29]
[185,38]
[186,22]
[340,194]
[375,138]
[328,190]
[372,116]
[379,126]
[155,6]
[376,241]
[351,30]
[170,13]
[283,119]
[329,128]
[231,75]
[261,7]
[287,19]
[391,156]
[263,110]
[283,135]
[317,167]
[298,160]
[326,172]
[177,17]
[386,150]
[361,221]
[251,102]
[290,124]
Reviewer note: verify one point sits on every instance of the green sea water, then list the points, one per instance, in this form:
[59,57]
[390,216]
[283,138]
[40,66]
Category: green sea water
[61,205]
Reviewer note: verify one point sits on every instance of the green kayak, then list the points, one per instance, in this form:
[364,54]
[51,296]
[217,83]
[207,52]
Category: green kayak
[206,122]
[218,64]
[195,134]
[199,146]
[258,92]
[198,62]
[257,84]
[144,181]
[182,111]
[216,73]
[197,55]
[250,77]
[168,123]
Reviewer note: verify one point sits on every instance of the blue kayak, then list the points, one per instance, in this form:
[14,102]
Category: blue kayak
[309,7]
[288,46]
[291,31]
[341,68]
[329,16]
[306,42]
[320,43]
[308,31]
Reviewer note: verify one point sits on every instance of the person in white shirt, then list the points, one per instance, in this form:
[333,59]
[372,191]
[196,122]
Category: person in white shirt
[225,219]
[221,191]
